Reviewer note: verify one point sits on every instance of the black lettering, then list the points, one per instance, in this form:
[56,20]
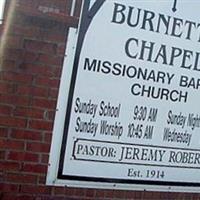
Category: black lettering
[176,24]
[148,16]
[118,15]
[130,14]
[127,47]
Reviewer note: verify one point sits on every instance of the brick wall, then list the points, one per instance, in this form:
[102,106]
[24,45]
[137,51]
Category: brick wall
[32,46]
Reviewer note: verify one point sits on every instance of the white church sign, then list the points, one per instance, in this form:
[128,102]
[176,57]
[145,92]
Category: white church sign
[128,109]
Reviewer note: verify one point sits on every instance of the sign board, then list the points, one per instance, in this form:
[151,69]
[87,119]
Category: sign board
[128,109]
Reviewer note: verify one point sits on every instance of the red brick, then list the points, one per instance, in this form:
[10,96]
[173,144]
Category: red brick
[30,90]
[26,135]
[27,31]
[2,155]
[44,103]
[100,194]
[119,194]
[53,93]
[50,115]
[41,125]
[41,180]
[1,175]
[10,196]
[12,121]
[109,193]
[39,92]
[8,64]
[90,193]
[8,165]
[24,90]
[14,41]
[5,110]
[29,74]
[25,197]
[42,81]
[35,168]
[38,147]
[50,60]
[138,195]
[80,192]
[17,77]
[14,100]
[38,8]
[56,37]
[60,190]
[29,112]
[10,144]
[129,194]
[70,191]
[45,159]
[57,71]
[14,54]
[61,49]
[148,195]
[46,81]
[30,57]
[47,137]
[194,197]
[31,68]
[3,132]
[40,46]
[20,178]
[6,187]
[23,156]
[35,189]
[6,87]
